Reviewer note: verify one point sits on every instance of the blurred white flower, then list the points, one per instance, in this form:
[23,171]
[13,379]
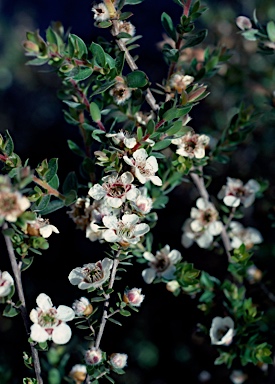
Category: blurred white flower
[202,238]
[191,145]
[12,205]
[78,373]
[205,217]
[238,377]
[49,322]
[243,22]
[222,330]
[235,192]
[143,204]
[239,235]
[92,274]
[144,167]
[118,360]
[6,283]
[180,82]
[120,93]
[123,137]
[161,265]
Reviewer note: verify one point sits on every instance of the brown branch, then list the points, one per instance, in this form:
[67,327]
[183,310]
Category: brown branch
[18,282]
[50,190]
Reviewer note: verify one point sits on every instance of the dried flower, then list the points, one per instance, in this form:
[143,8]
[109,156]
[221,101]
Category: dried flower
[133,296]
[101,12]
[180,82]
[6,283]
[92,274]
[120,93]
[82,307]
[222,330]
[191,145]
[144,167]
[49,322]
[41,227]
[81,212]
[118,360]
[126,27]
[93,356]
[161,265]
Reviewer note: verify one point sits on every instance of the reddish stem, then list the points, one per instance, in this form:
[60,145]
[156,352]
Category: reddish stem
[4,158]
[186,7]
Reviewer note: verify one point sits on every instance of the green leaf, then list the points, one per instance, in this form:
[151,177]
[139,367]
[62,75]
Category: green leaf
[195,39]
[52,206]
[8,232]
[54,182]
[42,204]
[167,24]
[52,169]
[114,321]
[136,79]
[270,28]
[161,145]
[9,146]
[120,59]
[75,148]
[174,113]
[37,61]
[10,311]
[26,263]
[82,73]
[103,87]
[133,2]
[97,299]
[125,15]
[98,55]
[123,312]
[95,134]
[105,24]
[79,46]
[70,183]
[95,112]
[70,198]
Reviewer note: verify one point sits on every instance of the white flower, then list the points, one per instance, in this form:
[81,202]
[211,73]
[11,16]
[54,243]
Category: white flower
[115,189]
[222,330]
[123,137]
[49,322]
[78,373]
[235,192]
[180,82]
[92,274]
[93,356]
[205,218]
[120,93]
[239,235]
[80,212]
[12,205]
[253,274]
[6,283]
[161,265]
[203,238]
[101,12]
[143,203]
[191,145]
[144,167]
[133,296]
[82,307]
[125,231]
[41,227]
[118,360]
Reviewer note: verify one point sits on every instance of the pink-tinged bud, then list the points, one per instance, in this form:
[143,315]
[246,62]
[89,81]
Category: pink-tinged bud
[243,23]
[198,94]
[82,307]
[133,297]
[93,356]
[118,360]
[172,286]
[31,47]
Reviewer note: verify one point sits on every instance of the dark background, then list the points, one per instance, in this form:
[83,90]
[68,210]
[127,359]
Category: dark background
[162,340]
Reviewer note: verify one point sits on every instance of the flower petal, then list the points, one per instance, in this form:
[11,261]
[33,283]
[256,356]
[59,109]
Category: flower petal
[61,334]
[65,313]
[75,276]
[38,333]
[97,192]
[44,302]
[148,275]
[175,256]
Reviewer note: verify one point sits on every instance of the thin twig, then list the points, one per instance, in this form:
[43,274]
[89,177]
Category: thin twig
[18,282]
[149,96]
[106,304]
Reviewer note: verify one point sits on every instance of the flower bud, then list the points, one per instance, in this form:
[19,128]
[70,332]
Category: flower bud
[82,307]
[243,23]
[93,356]
[133,297]
[198,94]
[118,360]
[172,286]
[78,373]
[6,283]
